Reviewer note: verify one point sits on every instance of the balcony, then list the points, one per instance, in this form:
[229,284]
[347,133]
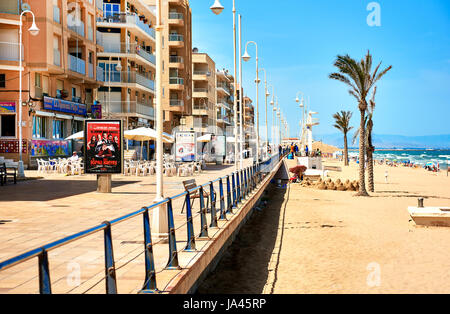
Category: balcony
[56,57]
[56,14]
[100,75]
[125,48]
[91,70]
[77,65]
[176,62]
[223,88]
[77,26]
[129,108]
[223,104]
[99,38]
[10,51]
[176,83]
[176,40]
[176,18]
[90,33]
[201,75]
[99,4]
[10,6]
[176,103]
[128,78]
[200,93]
[126,20]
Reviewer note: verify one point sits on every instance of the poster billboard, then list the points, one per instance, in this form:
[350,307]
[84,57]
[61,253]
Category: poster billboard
[50,148]
[7,107]
[185,144]
[104,150]
[218,144]
[96,110]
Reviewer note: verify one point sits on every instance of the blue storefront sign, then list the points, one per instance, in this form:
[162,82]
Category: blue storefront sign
[64,106]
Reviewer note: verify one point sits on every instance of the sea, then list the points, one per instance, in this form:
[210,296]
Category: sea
[416,156]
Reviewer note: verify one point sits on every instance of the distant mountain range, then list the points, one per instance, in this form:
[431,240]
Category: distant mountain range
[391,141]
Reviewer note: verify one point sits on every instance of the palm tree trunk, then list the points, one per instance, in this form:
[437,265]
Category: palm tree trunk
[345,150]
[370,170]
[362,151]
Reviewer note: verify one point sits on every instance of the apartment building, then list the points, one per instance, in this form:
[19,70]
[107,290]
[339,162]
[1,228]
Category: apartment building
[204,98]
[225,102]
[126,33]
[176,62]
[59,81]
[249,124]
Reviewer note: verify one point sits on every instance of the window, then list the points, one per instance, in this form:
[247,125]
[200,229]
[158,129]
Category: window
[58,129]
[37,79]
[8,125]
[77,126]
[39,127]
[109,9]
[3,80]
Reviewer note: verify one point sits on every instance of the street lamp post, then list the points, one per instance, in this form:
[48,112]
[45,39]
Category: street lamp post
[246,58]
[34,30]
[159,220]
[266,95]
[297,100]
[241,99]
[217,8]
[272,103]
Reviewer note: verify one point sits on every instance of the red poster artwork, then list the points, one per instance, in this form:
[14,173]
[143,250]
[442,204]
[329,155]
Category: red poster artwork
[103,143]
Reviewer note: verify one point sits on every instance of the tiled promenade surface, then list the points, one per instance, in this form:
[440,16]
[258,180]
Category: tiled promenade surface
[35,212]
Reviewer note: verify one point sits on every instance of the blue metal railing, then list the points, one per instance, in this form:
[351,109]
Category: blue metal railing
[239,185]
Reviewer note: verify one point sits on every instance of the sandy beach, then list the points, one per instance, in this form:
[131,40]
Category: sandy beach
[319,241]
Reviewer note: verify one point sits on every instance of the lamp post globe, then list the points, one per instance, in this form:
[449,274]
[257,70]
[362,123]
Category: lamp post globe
[217,7]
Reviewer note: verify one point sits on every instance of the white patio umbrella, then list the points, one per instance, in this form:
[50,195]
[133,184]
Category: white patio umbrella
[145,134]
[204,139]
[76,136]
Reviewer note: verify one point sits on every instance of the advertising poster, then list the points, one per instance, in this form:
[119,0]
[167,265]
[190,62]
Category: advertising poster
[103,142]
[185,146]
[218,144]
[7,107]
[50,148]
[96,111]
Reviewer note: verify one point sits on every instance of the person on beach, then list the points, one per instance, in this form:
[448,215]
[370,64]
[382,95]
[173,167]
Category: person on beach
[386,176]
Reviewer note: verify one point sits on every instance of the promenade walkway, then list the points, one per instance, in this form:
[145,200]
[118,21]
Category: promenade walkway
[318,241]
[36,212]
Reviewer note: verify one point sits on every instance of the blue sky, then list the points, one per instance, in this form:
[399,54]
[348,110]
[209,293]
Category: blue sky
[298,42]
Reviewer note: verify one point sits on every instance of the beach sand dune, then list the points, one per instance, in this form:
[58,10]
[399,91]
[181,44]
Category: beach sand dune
[333,242]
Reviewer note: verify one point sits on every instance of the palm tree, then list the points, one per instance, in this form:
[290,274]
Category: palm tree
[360,78]
[342,123]
[370,149]
[369,145]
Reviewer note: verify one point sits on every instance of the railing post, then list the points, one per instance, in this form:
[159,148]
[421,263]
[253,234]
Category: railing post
[242,186]
[234,191]
[212,196]
[173,254]
[150,274]
[238,186]
[190,246]
[253,176]
[203,221]
[45,286]
[245,183]
[110,269]
[223,215]
[230,201]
